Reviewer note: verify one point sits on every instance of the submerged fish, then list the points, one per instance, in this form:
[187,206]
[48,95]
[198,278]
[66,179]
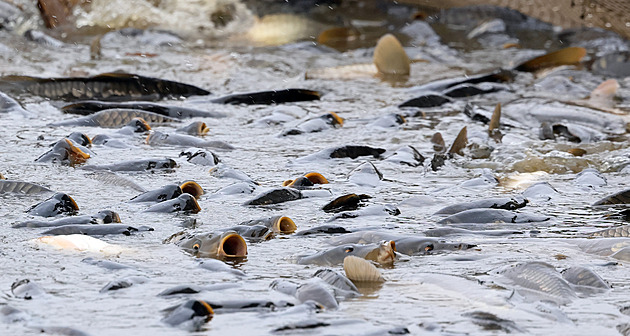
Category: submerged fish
[136,165]
[21,187]
[277,224]
[107,86]
[614,232]
[217,245]
[79,242]
[102,217]
[269,97]
[541,278]
[622,197]
[506,203]
[382,253]
[92,106]
[10,105]
[57,204]
[173,139]
[114,118]
[193,312]
[323,122]
[274,196]
[184,202]
[492,216]
[95,229]
[169,191]
[312,290]
[305,181]
[64,152]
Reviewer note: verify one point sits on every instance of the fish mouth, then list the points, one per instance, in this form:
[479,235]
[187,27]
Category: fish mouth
[203,129]
[232,245]
[193,188]
[337,119]
[284,225]
[287,183]
[192,205]
[316,178]
[386,252]
[202,308]
[142,125]
[76,155]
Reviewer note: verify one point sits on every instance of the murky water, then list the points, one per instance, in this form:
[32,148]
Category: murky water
[434,293]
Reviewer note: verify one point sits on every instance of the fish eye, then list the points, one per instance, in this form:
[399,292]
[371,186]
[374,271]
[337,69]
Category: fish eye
[428,248]
[349,249]
[196,247]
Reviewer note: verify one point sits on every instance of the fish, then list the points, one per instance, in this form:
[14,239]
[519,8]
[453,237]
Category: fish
[274,196]
[192,312]
[312,290]
[590,178]
[218,245]
[278,29]
[340,283]
[407,155]
[102,217]
[370,210]
[200,157]
[349,151]
[64,152]
[277,224]
[41,38]
[252,233]
[566,56]
[346,202]
[22,187]
[614,64]
[195,128]
[106,86]
[89,107]
[26,289]
[111,178]
[269,97]
[426,100]
[123,283]
[366,174]
[95,229]
[506,203]
[10,105]
[57,204]
[584,277]
[539,277]
[318,124]
[405,244]
[325,229]
[492,216]
[169,191]
[307,180]
[614,232]
[184,202]
[622,197]
[135,165]
[383,253]
[157,138]
[114,118]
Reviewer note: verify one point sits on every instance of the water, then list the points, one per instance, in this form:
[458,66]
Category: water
[425,294]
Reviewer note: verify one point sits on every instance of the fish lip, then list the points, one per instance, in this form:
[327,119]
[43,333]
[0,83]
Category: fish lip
[232,245]
[316,178]
[195,208]
[76,155]
[193,188]
[284,225]
[339,120]
[144,123]
[203,129]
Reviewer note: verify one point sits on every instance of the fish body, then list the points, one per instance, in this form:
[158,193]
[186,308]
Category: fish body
[615,232]
[318,124]
[107,86]
[21,187]
[409,245]
[64,152]
[184,202]
[200,157]
[269,97]
[506,203]
[277,224]
[94,229]
[136,165]
[492,216]
[382,253]
[102,217]
[10,105]
[114,118]
[622,197]
[57,204]
[542,278]
[274,196]
[173,139]
[89,107]
[161,194]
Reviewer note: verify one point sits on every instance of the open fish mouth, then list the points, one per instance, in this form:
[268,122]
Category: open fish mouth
[232,246]
[284,225]
[193,188]
[75,155]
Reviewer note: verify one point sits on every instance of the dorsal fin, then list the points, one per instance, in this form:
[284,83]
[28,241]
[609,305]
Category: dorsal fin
[390,58]
[566,56]
[438,142]
[359,269]
[496,118]
[460,142]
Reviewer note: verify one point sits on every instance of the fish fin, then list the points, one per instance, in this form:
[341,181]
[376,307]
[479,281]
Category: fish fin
[438,142]
[566,56]
[496,118]
[604,93]
[460,142]
[359,269]
[390,57]
[338,37]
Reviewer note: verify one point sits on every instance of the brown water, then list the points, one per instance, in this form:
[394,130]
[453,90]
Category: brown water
[425,294]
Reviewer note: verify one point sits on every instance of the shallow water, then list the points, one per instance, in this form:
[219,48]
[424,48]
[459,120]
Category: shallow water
[431,293]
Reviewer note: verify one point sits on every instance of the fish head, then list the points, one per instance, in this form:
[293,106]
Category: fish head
[283,224]
[139,125]
[333,119]
[193,188]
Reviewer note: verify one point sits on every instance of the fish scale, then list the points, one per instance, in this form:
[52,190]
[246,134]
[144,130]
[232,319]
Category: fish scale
[541,277]
[616,232]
